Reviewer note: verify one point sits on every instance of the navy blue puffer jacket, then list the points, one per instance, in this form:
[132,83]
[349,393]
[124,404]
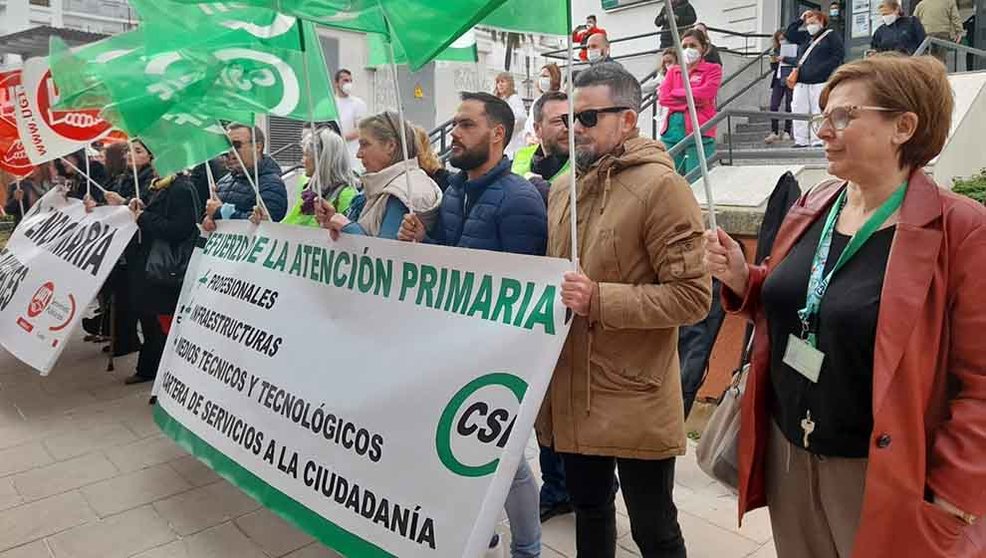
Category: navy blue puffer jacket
[500,211]
[234,188]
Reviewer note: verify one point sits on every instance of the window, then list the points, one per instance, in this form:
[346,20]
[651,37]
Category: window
[45,3]
[617,4]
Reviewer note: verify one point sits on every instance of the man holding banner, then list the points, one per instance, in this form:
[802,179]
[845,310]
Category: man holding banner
[514,221]
[615,397]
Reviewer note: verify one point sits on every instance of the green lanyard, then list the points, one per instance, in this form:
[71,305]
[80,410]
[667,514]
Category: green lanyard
[818,282]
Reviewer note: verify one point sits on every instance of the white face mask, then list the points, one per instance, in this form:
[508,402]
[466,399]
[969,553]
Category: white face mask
[692,55]
[347,88]
[889,19]
[595,55]
[814,28]
[544,83]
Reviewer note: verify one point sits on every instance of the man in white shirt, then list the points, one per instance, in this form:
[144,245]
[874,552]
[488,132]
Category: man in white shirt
[352,109]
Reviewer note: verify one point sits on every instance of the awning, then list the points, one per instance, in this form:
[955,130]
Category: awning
[34,41]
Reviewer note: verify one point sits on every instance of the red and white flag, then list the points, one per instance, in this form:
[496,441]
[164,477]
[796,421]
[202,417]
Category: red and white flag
[45,133]
[13,158]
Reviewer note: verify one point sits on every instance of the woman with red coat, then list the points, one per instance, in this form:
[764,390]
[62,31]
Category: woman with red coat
[863,424]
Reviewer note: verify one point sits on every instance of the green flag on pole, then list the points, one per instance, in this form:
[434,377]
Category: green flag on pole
[424,28]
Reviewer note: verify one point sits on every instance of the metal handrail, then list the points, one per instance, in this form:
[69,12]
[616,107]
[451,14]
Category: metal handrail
[562,54]
[729,114]
[284,148]
[291,170]
[928,41]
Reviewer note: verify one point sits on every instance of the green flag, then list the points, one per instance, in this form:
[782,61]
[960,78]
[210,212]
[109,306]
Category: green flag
[424,28]
[183,140]
[139,83]
[548,17]
[463,50]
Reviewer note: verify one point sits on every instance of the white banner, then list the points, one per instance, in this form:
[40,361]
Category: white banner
[377,394]
[48,134]
[52,267]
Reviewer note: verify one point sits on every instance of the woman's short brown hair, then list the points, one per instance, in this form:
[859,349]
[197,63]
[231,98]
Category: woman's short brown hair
[905,84]
[820,16]
[555,72]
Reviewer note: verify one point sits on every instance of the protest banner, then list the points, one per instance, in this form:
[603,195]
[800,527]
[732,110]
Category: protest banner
[52,267]
[46,133]
[377,394]
[13,158]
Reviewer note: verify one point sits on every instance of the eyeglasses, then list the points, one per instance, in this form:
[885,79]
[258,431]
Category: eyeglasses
[589,118]
[840,117]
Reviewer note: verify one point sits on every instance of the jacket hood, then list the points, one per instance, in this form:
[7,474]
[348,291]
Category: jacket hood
[425,197]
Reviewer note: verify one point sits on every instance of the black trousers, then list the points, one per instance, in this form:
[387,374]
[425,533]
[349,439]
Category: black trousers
[153,347]
[647,489]
[778,94]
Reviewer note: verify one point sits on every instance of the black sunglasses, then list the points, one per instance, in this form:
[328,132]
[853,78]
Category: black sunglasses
[589,118]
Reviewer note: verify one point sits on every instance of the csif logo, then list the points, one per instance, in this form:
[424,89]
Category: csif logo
[477,422]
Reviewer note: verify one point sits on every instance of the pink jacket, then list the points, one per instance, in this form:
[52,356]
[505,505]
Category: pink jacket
[706,78]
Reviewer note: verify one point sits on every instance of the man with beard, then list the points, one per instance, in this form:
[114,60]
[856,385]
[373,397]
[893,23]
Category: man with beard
[615,396]
[542,162]
[487,207]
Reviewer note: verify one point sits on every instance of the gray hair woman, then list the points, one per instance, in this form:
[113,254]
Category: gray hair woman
[392,187]
[333,177]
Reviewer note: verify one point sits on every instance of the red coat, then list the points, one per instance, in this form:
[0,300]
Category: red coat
[929,377]
[580,37]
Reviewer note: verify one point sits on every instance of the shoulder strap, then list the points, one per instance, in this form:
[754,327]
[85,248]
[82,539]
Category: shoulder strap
[812,47]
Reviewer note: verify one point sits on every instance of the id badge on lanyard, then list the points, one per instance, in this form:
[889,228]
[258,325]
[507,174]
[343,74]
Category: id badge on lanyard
[802,353]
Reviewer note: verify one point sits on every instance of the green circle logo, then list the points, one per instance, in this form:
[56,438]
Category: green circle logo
[500,421]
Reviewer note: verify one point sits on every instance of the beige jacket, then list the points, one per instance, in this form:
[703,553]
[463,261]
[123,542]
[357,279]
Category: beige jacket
[424,198]
[940,16]
[616,390]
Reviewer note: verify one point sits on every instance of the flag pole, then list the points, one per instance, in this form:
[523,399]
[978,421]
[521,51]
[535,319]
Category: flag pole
[211,179]
[256,168]
[572,191]
[400,114]
[693,113]
[133,167]
[17,185]
[313,181]
[83,173]
[246,173]
[85,155]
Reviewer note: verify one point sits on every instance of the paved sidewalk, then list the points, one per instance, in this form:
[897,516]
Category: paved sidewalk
[84,472]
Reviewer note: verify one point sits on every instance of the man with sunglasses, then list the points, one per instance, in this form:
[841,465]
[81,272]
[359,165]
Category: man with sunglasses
[615,398]
[237,197]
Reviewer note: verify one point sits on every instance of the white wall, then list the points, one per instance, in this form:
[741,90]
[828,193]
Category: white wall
[963,154]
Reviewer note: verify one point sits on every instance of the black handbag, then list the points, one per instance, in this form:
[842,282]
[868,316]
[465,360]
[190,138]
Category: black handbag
[167,261]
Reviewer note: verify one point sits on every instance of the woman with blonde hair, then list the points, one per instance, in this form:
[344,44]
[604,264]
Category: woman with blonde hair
[506,90]
[428,160]
[392,187]
[863,423]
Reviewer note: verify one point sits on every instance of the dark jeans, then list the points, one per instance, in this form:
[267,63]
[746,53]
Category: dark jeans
[780,93]
[647,489]
[695,343]
[124,313]
[553,490]
[153,348]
